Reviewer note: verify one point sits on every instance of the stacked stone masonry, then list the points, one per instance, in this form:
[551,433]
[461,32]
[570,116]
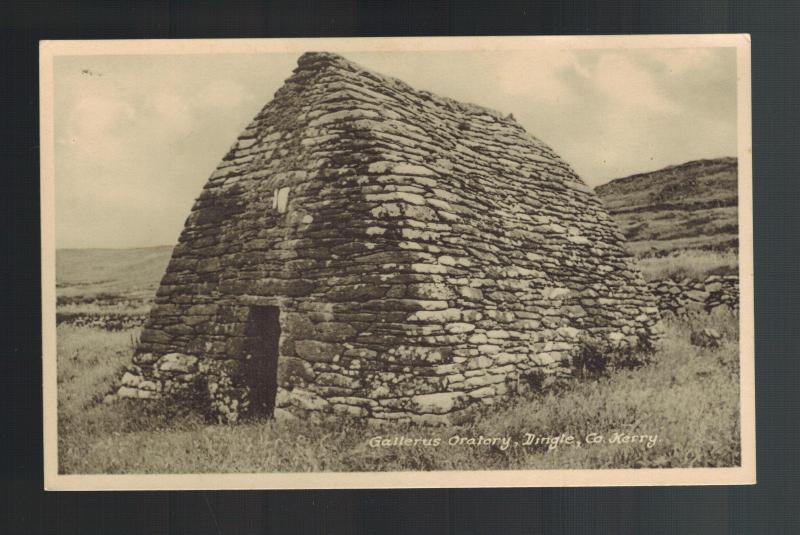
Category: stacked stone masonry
[426,257]
[681,297]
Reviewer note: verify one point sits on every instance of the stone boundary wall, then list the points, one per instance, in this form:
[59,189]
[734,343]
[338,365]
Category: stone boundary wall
[682,296]
[108,321]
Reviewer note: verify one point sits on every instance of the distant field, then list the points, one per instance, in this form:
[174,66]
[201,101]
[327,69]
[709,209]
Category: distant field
[121,272]
[112,288]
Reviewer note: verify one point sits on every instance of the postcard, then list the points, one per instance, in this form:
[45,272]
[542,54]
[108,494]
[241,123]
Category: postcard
[397,262]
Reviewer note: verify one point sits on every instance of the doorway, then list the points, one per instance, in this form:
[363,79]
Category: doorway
[263,336]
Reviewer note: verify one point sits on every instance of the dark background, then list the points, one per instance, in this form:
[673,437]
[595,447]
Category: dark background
[772,506]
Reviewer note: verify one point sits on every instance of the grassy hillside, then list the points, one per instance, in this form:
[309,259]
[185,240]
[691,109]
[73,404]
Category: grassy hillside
[681,207]
[113,288]
[681,220]
[130,272]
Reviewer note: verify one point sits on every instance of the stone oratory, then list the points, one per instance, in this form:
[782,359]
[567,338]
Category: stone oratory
[372,250]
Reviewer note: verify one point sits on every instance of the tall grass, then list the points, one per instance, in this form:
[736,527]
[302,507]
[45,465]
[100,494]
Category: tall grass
[693,264]
[89,361]
[688,397]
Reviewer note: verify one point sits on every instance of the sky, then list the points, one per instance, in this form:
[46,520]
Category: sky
[137,136]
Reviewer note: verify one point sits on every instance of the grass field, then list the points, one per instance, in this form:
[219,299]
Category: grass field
[688,397]
[692,264]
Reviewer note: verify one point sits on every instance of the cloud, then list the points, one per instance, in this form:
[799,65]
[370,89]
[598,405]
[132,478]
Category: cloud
[611,113]
[559,77]
[628,84]
[534,75]
[223,95]
[94,126]
[95,115]
[169,109]
[679,61]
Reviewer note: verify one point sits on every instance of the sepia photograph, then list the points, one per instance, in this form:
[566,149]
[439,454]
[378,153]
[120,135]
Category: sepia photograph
[397,262]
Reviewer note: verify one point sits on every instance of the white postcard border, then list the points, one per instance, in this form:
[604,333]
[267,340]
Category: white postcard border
[744,474]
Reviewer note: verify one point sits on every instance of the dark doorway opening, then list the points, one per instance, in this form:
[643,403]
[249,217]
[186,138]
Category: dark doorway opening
[263,336]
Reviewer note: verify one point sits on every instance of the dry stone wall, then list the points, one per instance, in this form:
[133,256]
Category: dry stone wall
[426,257]
[682,296]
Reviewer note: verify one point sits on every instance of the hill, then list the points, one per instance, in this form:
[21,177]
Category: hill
[692,206]
[90,274]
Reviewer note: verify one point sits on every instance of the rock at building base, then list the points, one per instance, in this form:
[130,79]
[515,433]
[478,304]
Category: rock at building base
[283,415]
